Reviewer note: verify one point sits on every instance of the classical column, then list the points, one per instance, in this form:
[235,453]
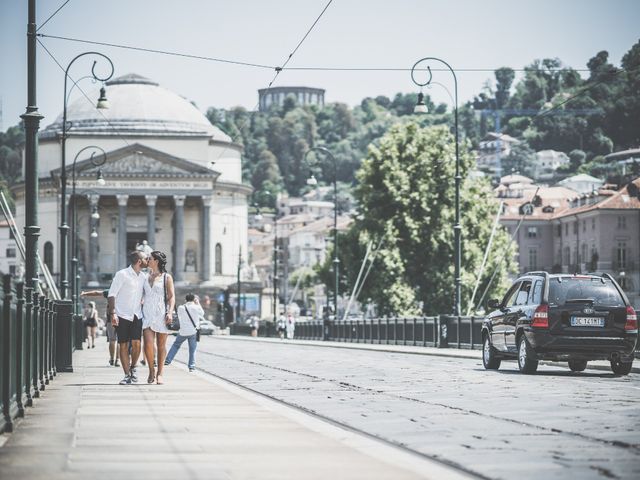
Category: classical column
[93,242]
[206,238]
[122,231]
[151,219]
[178,229]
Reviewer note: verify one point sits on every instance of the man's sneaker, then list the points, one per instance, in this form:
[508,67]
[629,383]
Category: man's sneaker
[192,369]
[134,375]
[126,380]
[111,361]
[116,364]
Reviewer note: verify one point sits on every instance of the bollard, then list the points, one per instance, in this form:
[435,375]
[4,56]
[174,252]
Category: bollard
[44,381]
[35,316]
[64,336]
[28,341]
[9,405]
[20,349]
[80,331]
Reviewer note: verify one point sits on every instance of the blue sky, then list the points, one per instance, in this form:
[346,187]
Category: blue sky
[352,33]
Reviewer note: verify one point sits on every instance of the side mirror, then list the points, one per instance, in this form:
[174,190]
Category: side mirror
[493,304]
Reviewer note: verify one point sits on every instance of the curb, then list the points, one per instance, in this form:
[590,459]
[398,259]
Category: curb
[404,349]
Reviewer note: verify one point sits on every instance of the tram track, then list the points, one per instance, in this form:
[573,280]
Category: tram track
[354,387]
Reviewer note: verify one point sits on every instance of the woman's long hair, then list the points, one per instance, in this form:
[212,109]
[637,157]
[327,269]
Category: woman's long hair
[162,260]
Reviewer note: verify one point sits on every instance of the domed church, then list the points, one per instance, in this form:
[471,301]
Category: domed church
[169,177]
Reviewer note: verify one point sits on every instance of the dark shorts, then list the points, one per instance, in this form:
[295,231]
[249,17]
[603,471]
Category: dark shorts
[129,329]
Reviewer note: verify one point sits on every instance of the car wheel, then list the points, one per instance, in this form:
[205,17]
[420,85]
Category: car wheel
[489,358]
[621,368]
[577,365]
[527,361]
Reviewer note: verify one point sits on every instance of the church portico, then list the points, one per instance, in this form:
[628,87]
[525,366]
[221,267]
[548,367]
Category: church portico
[171,178]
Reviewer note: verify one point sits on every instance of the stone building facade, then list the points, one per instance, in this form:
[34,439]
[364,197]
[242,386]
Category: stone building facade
[171,178]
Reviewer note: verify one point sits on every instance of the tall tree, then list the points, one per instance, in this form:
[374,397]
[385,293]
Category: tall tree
[405,197]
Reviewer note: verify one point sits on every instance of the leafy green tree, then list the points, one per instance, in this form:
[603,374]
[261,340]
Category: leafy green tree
[405,196]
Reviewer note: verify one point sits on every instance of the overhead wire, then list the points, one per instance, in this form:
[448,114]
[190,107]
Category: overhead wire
[52,15]
[284,66]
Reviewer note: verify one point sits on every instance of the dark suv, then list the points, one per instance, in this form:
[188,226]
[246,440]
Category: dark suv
[574,318]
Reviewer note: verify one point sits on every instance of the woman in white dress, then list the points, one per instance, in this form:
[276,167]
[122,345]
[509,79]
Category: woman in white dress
[158,304]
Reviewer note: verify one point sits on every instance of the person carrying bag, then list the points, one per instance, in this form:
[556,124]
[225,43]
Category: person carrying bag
[189,330]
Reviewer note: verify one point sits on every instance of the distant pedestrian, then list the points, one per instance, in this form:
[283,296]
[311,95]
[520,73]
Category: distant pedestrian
[189,315]
[125,312]
[91,323]
[291,327]
[255,325]
[282,326]
[112,336]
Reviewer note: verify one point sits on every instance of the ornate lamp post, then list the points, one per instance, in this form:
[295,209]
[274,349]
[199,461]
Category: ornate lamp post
[312,181]
[64,228]
[275,260]
[75,286]
[422,108]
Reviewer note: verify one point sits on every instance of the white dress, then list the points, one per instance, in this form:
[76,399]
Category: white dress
[154,308]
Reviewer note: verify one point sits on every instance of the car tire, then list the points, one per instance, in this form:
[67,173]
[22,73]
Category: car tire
[577,365]
[621,368]
[527,361]
[490,358]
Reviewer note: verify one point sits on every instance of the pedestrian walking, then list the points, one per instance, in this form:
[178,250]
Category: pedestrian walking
[188,315]
[91,323]
[112,336]
[159,302]
[254,321]
[291,327]
[282,326]
[125,312]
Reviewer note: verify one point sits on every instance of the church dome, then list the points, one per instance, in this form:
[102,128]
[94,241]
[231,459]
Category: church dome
[137,106]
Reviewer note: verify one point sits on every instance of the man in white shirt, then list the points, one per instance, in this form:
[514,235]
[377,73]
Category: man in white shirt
[125,311]
[189,315]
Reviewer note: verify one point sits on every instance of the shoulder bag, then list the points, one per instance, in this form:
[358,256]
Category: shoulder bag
[193,323]
[175,321]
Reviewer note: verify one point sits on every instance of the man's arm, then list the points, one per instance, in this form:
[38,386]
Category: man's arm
[116,283]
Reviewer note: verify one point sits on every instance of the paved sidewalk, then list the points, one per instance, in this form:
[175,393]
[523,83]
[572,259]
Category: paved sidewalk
[601,365]
[86,426]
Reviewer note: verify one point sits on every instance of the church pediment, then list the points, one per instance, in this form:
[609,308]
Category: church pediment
[139,160]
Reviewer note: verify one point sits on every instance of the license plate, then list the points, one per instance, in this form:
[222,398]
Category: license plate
[587,322]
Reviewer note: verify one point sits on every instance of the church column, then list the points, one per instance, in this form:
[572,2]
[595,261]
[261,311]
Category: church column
[178,229]
[93,242]
[122,231]
[151,219]
[206,237]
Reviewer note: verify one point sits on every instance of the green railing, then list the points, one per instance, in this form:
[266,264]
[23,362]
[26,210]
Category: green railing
[35,344]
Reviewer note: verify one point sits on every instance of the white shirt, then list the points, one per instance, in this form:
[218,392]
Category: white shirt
[127,287]
[186,327]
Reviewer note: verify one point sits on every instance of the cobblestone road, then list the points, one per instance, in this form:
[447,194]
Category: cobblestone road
[556,424]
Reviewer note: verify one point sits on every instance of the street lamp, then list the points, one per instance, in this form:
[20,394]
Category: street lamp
[313,182]
[102,103]
[258,217]
[96,162]
[421,108]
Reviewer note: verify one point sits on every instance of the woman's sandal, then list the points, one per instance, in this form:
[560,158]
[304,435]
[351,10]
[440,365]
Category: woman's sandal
[159,380]
[151,378]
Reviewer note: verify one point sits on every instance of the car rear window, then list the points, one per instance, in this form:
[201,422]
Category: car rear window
[568,289]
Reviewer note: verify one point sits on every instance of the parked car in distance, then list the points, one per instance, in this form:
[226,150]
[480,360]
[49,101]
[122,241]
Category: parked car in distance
[561,317]
[206,327]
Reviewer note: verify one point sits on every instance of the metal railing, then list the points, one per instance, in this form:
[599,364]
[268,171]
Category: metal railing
[441,331]
[35,344]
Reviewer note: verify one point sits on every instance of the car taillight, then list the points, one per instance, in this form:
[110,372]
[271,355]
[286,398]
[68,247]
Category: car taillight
[632,321]
[541,317]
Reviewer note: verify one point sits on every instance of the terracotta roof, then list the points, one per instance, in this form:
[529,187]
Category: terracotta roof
[628,198]
[556,197]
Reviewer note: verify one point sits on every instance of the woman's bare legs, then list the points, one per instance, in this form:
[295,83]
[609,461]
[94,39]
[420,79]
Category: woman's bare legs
[148,352]
[93,337]
[161,340]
